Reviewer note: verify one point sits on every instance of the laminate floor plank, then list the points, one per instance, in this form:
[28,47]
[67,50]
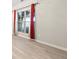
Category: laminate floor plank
[26,49]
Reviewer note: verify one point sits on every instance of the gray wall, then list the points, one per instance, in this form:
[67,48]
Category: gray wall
[51,22]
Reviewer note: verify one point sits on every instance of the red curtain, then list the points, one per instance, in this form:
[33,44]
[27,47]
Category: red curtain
[32,29]
[14,21]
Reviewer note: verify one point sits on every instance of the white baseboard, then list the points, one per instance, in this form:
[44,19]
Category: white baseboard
[55,46]
[23,35]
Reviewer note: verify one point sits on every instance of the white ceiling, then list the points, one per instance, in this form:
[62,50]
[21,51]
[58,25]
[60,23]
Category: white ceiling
[14,2]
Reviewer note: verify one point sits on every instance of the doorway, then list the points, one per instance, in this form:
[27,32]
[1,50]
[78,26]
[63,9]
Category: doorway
[23,22]
[23,19]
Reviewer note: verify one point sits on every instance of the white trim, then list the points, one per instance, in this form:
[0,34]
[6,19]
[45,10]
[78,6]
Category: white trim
[55,46]
[24,9]
[24,36]
[20,34]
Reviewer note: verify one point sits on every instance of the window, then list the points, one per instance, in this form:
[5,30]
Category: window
[23,22]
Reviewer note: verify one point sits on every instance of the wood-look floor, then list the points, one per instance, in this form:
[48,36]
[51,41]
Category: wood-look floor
[26,49]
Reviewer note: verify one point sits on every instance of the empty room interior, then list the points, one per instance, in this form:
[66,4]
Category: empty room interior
[39,29]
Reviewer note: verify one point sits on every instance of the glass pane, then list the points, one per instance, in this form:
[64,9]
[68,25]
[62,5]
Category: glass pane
[20,16]
[27,13]
[27,21]
[27,24]
[21,26]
